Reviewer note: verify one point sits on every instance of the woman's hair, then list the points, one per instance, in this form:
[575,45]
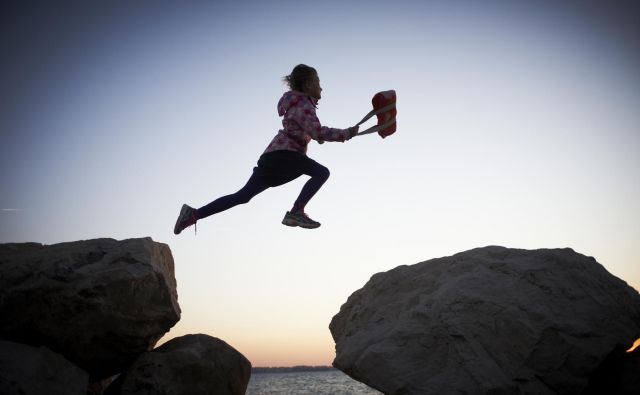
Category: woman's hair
[300,74]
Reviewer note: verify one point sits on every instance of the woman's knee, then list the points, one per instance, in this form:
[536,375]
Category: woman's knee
[323,173]
[244,199]
[249,191]
[243,196]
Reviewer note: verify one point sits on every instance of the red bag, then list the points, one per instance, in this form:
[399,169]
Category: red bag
[384,107]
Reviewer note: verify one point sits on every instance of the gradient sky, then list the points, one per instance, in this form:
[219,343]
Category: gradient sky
[518,125]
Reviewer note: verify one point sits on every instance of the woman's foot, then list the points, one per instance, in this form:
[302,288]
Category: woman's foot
[299,219]
[186,218]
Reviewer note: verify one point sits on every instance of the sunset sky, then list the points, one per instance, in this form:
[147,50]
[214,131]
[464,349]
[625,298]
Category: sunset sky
[518,125]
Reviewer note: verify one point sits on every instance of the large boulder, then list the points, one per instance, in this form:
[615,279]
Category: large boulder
[618,375]
[191,364]
[490,320]
[27,370]
[100,303]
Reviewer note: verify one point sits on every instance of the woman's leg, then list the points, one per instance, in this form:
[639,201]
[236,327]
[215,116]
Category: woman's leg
[319,174]
[254,186]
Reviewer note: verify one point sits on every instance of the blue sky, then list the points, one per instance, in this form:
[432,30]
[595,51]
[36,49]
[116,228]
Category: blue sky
[517,126]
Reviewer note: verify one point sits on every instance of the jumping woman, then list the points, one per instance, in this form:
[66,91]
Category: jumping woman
[285,158]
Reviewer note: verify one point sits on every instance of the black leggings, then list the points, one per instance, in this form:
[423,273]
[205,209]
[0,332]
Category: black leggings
[259,182]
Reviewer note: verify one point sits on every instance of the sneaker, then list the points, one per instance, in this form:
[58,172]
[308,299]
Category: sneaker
[186,218]
[299,219]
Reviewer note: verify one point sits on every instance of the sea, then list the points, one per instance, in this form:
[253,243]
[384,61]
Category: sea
[331,382]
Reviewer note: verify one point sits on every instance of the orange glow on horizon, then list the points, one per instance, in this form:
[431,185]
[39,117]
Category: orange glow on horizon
[268,349]
[635,345]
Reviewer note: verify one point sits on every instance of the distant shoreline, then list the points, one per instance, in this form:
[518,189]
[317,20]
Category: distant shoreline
[292,369]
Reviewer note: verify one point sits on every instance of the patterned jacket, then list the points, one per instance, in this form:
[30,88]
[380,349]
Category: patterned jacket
[301,124]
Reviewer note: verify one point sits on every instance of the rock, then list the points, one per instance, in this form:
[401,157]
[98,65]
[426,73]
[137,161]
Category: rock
[191,364]
[629,379]
[490,320]
[100,387]
[27,370]
[617,375]
[100,303]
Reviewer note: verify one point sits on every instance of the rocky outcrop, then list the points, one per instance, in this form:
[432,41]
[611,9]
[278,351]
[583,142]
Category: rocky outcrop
[618,375]
[27,370]
[100,303]
[490,320]
[192,364]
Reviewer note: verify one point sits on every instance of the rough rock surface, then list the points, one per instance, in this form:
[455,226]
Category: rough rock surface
[100,303]
[490,320]
[191,364]
[27,370]
[100,387]
[618,375]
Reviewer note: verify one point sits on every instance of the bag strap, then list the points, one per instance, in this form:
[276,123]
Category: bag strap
[377,128]
[375,112]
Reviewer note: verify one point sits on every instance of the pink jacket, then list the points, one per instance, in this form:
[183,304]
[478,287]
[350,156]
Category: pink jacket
[301,124]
